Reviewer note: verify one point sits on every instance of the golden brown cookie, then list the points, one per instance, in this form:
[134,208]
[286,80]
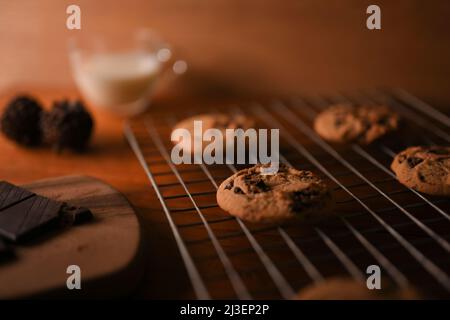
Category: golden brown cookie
[342,288]
[288,194]
[344,123]
[218,121]
[425,169]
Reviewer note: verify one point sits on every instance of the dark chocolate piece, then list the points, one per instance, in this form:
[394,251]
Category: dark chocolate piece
[414,161]
[238,190]
[10,194]
[262,186]
[23,212]
[70,215]
[26,216]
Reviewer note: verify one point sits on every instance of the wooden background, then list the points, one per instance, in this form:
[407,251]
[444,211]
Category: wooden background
[235,49]
[246,47]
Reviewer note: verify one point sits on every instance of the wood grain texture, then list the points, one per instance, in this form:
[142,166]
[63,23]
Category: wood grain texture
[104,247]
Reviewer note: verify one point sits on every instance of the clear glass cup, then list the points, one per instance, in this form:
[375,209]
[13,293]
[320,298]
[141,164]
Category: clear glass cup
[119,74]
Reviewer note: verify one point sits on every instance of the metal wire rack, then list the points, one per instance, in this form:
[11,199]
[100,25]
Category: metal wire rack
[378,220]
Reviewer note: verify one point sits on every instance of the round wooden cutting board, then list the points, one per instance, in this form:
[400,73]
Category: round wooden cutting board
[106,249]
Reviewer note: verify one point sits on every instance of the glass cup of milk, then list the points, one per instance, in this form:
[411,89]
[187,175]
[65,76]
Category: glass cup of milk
[120,74]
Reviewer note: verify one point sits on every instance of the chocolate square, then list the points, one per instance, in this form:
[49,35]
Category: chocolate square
[26,216]
[22,212]
[10,194]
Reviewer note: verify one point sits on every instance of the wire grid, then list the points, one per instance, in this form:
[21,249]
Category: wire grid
[378,220]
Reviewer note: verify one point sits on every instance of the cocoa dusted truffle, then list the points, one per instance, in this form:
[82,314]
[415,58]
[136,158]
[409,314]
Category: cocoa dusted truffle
[20,121]
[68,125]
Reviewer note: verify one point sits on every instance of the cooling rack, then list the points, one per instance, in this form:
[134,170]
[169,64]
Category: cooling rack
[378,221]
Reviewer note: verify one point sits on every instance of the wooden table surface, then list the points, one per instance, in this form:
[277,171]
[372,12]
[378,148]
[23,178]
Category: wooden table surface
[111,160]
[235,50]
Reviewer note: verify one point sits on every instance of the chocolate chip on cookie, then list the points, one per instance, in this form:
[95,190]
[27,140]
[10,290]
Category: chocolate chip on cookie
[345,123]
[425,169]
[288,194]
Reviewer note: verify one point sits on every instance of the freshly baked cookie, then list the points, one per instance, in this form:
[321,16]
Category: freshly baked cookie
[345,123]
[342,288]
[425,169]
[218,121]
[289,193]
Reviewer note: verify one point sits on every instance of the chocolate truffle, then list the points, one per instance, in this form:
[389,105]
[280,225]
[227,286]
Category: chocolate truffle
[68,125]
[20,121]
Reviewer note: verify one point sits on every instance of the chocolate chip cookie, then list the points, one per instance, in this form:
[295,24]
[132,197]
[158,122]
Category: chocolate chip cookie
[342,288]
[288,194]
[344,123]
[218,121]
[425,169]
